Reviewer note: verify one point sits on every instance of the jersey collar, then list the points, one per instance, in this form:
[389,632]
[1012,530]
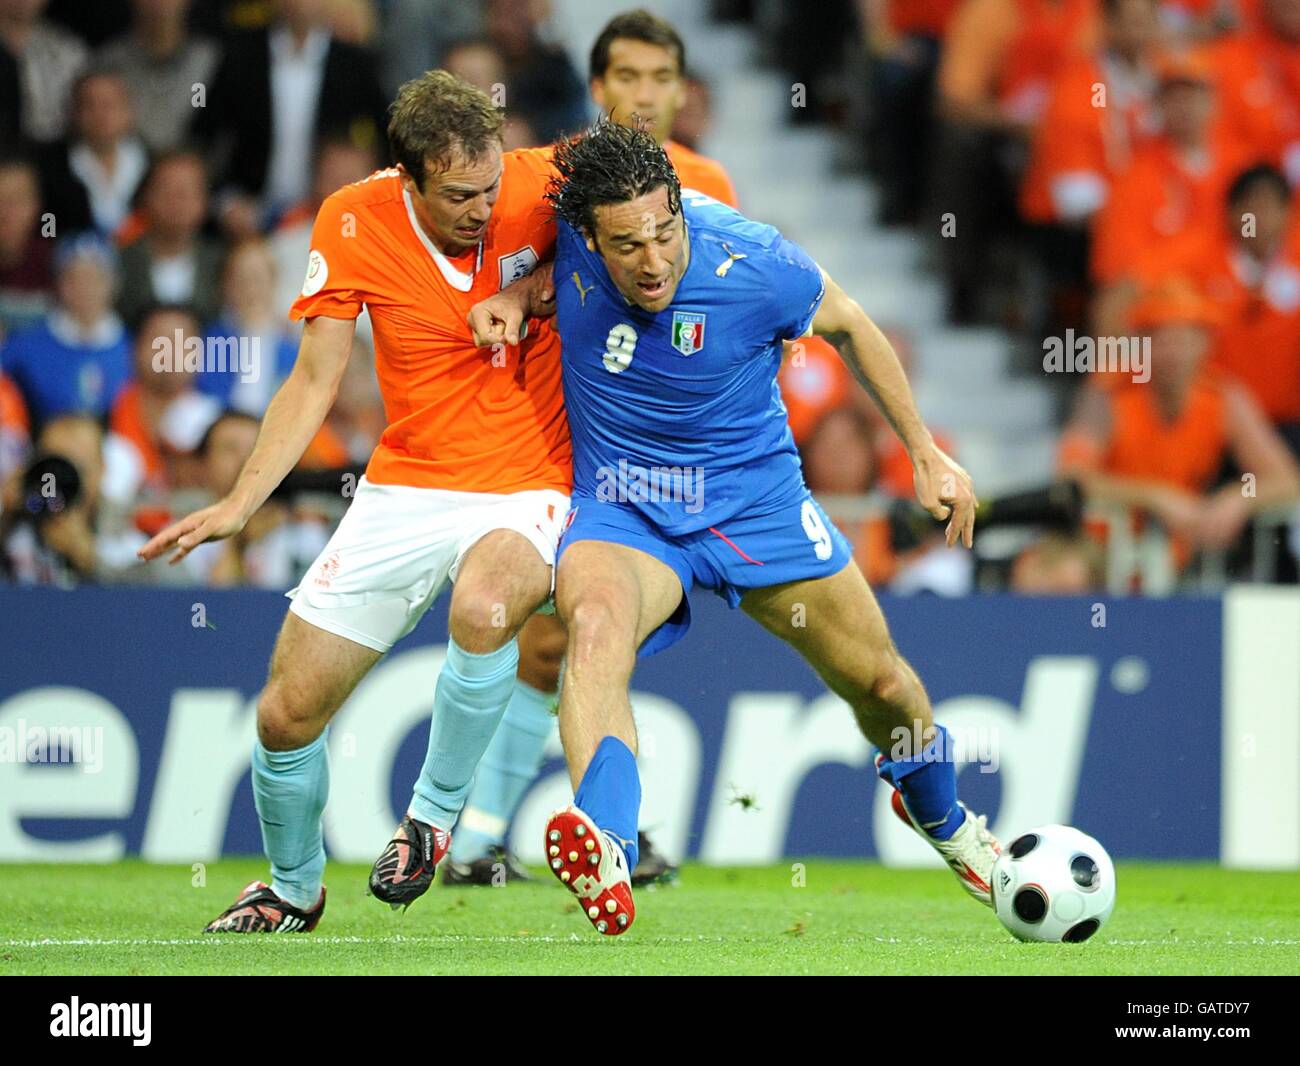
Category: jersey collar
[457,279]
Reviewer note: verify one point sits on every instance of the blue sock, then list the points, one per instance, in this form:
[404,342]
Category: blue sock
[928,782]
[289,790]
[509,766]
[471,696]
[610,794]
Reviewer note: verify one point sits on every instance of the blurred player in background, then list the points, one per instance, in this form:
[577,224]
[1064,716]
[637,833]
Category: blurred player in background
[637,77]
[469,482]
[672,310]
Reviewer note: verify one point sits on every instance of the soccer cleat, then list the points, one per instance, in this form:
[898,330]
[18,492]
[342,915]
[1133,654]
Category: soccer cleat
[970,852]
[599,877]
[259,910]
[495,868]
[651,867]
[404,872]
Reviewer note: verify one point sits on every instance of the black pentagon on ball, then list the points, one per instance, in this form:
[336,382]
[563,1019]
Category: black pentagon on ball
[1023,845]
[1077,934]
[1084,870]
[1030,904]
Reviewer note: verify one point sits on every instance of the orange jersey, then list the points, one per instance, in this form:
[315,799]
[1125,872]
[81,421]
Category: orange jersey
[700,173]
[460,418]
[1161,196]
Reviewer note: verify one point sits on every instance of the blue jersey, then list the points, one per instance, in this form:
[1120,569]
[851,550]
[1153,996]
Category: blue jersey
[678,413]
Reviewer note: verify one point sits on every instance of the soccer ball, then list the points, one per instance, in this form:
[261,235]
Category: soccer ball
[1053,884]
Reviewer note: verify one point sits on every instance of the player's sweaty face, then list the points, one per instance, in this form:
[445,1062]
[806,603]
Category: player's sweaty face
[643,81]
[644,248]
[456,202]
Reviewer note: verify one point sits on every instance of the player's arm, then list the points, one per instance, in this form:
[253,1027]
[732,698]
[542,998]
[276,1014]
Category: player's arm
[292,419]
[942,486]
[499,318]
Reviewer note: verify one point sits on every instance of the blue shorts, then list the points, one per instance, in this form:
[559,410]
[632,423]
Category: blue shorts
[795,542]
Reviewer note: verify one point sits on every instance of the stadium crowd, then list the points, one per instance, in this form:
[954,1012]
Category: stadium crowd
[1130,163]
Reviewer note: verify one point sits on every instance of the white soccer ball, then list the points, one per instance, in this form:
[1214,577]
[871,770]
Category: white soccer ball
[1053,884]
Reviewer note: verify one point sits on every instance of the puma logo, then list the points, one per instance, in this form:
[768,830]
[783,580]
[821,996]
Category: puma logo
[732,257]
[582,293]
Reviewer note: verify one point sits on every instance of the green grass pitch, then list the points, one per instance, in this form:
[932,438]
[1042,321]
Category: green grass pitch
[848,918]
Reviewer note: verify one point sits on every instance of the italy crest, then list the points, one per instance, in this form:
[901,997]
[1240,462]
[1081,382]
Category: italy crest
[688,332]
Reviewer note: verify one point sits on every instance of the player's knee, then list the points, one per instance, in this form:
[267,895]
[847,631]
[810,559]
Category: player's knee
[597,625]
[286,722]
[481,620]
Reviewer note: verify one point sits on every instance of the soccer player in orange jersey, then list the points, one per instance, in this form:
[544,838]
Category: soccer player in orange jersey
[469,482]
[637,77]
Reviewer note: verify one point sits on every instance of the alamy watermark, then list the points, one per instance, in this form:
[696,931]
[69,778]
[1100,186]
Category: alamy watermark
[1087,355]
[210,355]
[630,483]
[26,743]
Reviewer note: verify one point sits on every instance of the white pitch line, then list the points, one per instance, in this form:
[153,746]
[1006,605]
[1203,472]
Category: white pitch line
[219,941]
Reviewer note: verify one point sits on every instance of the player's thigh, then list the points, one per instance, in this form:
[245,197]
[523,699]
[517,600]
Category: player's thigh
[833,622]
[606,591]
[312,673]
[501,580]
[542,642]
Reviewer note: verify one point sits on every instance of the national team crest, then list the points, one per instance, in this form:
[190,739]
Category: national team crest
[688,332]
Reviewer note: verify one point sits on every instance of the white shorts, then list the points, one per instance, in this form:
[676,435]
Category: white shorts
[398,546]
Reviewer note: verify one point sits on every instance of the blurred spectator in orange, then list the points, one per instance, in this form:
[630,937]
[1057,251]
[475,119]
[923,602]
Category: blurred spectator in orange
[1058,565]
[339,162]
[1099,109]
[160,412]
[251,330]
[161,63]
[1177,180]
[26,253]
[90,179]
[354,424]
[541,83]
[1258,71]
[47,60]
[77,358]
[1157,448]
[999,61]
[15,429]
[172,261]
[482,65]
[277,91]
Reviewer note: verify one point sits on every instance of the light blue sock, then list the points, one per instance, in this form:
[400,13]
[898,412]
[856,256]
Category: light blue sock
[471,697]
[289,790]
[509,766]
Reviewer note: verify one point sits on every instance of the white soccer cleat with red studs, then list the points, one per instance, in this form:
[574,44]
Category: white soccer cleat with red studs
[593,867]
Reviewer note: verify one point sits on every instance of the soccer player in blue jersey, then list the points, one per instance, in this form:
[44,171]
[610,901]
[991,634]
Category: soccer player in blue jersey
[672,310]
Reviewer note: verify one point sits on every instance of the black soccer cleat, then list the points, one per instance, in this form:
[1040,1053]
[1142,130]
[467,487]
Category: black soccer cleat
[494,869]
[259,910]
[651,867]
[404,872]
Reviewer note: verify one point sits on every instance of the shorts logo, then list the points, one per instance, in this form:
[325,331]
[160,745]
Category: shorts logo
[329,569]
[688,332]
[317,272]
[516,265]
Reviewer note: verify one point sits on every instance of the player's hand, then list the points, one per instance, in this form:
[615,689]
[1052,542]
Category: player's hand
[944,488]
[222,519]
[499,318]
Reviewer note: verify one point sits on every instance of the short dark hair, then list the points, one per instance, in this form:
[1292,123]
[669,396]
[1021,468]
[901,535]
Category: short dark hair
[608,164]
[639,25]
[437,113]
[1260,174]
[230,414]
